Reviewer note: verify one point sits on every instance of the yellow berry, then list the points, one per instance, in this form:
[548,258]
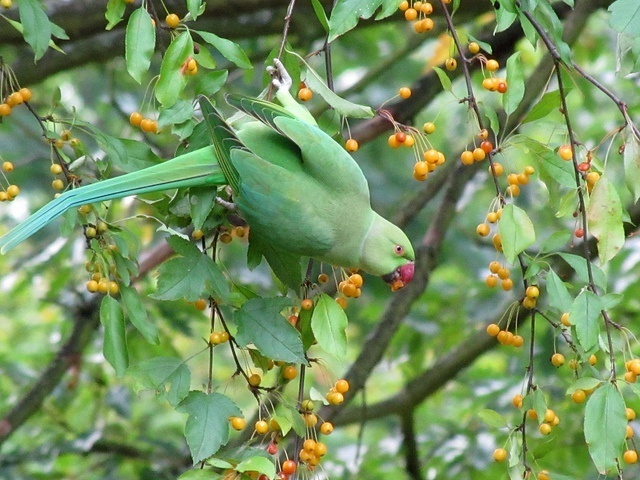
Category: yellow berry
[500,455]
[565,319]
[326,428]
[410,14]
[578,396]
[13,191]
[467,157]
[450,63]
[290,372]
[323,278]
[517,401]
[305,94]
[261,427]
[565,152]
[200,304]
[254,380]
[479,154]
[518,341]
[532,291]
[57,184]
[483,229]
[545,429]
[492,65]
[474,48]
[237,423]
[506,284]
[172,20]
[630,456]
[5,109]
[307,304]
[7,167]
[92,286]
[403,6]
[404,92]
[342,386]
[429,127]
[496,170]
[491,281]
[351,145]
[557,359]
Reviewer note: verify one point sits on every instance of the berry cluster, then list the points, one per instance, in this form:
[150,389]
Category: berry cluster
[99,282]
[12,191]
[493,83]
[147,125]
[189,67]
[505,337]
[351,287]
[418,13]
[14,99]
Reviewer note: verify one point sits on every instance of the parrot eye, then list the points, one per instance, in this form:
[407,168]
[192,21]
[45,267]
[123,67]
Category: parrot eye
[399,249]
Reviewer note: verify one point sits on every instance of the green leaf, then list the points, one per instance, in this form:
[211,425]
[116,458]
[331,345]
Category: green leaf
[346,13]
[516,231]
[549,102]
[556,241]
[514,94]
[36,26]
[505,15]
[320,14]
[492,418]
[557,292]
[179,112]
[137,155]
[342,106]
[632,163]
[113,14]
[139,42]
[585,315]
[138,314]
[207,428]
[605,426]
[260,322]
[285,266]
[201,202]
[192,276]
[229,50]
[445,81]
[584,383]
[194,7]
[579,264]
[329,324]
[211,82]
[115,340]
[625,17]
[199,474]
[604,216]
[168,376]
[257,464]
[172,79]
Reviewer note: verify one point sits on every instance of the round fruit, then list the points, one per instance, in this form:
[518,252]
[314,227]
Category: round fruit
[579,232]
[491,281]
[517,401]
[578,396]
[630,456]
[545,429]
[479,154]
[57,184]
[305,94]
[351,145]
[410,14]
[7,167]
[326,428]
[404,92]
[200,304]
[565,152]
[518,341]
[289,467]
[532,291]
[474,48]
[290,372]
[342,386]
[450,63]
[25,93]
[403,6]
[565,319]
[172,20]
[429,127]
[500,455]
[307,304]
[483,229]
[335,398]
[261,427]
[135,119]
[467,157]
[544,475]
[5,109]
[272,449]
[254,380]
[13,191]
[215,338]
[237,423]
[631,413]
[92,286]
[492,65]
[14,99]
[557,359]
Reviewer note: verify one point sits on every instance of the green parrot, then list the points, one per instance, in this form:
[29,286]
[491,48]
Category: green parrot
[300,192]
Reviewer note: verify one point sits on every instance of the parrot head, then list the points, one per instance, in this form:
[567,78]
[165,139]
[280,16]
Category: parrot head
[387,252]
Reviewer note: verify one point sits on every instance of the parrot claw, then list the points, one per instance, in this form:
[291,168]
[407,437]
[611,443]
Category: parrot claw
[280,77]
[226,204]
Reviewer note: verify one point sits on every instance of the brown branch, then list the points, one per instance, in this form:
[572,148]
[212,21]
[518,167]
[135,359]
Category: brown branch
[410,446]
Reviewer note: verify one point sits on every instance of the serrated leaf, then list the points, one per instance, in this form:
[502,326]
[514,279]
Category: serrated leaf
[579,264]
[172,78]
[346,14]
[632,163]
[516,231]
[585,316]
[114,12]
[115,340]
[549,102]
[514,94]
[329,324]
[211,82]
[168,376]
[584,383]
[36,26]
[207,427]
[492,418]
[558,295]
[137,314]
[179,112]
[192,276]
[257,464]
[625,17]
[260,322]
[605,425]
[445,81]
[137,155]
[139,42]
[604,216]
[229,50]
[556,241]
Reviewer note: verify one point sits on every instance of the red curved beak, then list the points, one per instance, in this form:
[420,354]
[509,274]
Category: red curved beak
[400,276]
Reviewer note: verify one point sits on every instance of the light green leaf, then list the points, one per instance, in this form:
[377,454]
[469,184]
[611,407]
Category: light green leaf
[549,102]
[194,7]
[604,216]
[584,383]
[320,13]
[329,323]
[207,428]
[113,14]
[257,464]
[140,42]
[115,340]
[492,418]
[605,426]
[346,14]
[514,94]
[579,264]
[516,231]
[342,106]
[211,82]
[138,314]
[192,276]
[632,163]
[556,241]
[625,17]
[229,50]
[179,112]
[445,81]
[172,78]
[168,376]
[557,292]
[197,473]
[585,316]
[260,322]
[36,26]
[132,155]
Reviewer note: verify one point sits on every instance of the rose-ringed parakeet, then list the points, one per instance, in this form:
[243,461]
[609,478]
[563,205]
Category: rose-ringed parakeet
[300,192]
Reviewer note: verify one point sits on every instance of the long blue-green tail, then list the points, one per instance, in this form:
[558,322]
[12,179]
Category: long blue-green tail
[196,168]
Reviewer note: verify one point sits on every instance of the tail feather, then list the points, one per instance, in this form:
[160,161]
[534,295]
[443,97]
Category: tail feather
[196,168]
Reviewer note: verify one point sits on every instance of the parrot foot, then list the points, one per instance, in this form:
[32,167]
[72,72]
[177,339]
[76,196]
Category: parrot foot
[226,204]
[280,78]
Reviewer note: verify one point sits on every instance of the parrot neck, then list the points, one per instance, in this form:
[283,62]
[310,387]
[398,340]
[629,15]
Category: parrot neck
[374,245]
